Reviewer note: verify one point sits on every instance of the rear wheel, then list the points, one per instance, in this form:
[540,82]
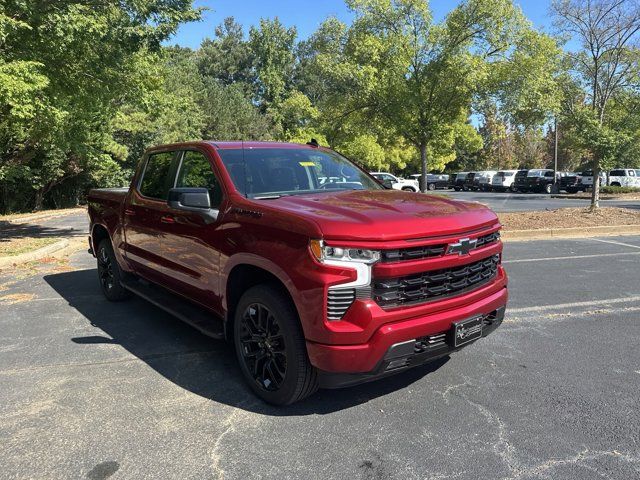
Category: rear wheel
[431,186]
[548,187]
[408,189]
[271,348]
[109,273]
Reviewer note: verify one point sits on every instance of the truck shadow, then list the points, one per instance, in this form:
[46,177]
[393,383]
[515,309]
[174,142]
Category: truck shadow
[193,361]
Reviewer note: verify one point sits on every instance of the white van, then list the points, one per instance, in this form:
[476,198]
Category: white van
[624,177]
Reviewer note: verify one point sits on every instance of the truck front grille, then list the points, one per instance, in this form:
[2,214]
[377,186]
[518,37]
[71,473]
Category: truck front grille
[434,284]
[428,251]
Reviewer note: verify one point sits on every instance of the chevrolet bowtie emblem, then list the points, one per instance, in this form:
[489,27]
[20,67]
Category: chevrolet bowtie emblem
[463,247]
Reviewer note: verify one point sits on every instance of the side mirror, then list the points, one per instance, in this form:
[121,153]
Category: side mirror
[193,200]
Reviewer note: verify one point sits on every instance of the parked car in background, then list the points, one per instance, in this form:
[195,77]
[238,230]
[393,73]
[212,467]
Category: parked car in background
[520,181]
[540,180]
[571,182]
[459,180]
[397,183]
[624,177]
[503,180]
[434,181]
[483,179]
[586,180]
[469,182]
[314,288]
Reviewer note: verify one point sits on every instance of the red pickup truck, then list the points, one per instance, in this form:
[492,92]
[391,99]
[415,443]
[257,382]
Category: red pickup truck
[319,275]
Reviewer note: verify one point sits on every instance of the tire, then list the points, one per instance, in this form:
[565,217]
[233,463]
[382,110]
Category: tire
[109,273]
[457,189]
[548,188]
[267,333]
[572,190]
[513,189]
[431,186]
[407,189]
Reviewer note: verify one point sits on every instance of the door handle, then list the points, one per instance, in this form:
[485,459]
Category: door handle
[167,219]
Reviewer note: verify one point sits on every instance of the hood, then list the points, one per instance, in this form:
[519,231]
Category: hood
[375,215]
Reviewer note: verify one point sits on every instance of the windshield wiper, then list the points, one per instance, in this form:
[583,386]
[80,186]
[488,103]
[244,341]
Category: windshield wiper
[270,197]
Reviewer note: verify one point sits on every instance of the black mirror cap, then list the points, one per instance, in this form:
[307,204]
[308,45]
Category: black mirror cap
[189,197]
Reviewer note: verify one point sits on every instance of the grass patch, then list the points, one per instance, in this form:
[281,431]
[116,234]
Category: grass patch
[611,189]
[17,246]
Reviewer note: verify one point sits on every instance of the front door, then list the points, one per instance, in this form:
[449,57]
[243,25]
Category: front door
[194,242]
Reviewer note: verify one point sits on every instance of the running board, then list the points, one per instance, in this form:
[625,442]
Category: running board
[207,323]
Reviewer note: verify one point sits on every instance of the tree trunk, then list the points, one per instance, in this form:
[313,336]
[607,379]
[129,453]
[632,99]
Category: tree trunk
[39,200]
[423,160]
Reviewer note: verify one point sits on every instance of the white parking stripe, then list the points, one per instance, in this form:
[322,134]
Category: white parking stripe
[560,306]
[569,257]
[615,243]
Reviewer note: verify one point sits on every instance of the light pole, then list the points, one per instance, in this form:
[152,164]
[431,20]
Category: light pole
[556,187]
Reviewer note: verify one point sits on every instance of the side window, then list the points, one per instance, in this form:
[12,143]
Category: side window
[617,173]
[548,174]
[195,171]
[156,180]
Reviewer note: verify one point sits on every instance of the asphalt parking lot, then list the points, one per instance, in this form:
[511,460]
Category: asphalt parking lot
[91,389]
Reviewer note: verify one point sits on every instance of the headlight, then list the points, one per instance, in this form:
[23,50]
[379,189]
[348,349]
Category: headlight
[324,253]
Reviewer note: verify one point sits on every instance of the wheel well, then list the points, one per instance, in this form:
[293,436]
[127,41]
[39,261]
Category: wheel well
[615,184]
[99,233]
[242,278]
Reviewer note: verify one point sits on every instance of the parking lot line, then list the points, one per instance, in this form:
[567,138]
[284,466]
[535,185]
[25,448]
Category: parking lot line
[560,306]
[613,242]
[570,257]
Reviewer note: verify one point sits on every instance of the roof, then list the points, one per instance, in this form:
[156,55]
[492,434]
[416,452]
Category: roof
[239,144]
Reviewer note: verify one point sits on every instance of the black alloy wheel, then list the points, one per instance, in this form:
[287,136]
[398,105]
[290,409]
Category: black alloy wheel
[109,273]
[271,347]
[263,347]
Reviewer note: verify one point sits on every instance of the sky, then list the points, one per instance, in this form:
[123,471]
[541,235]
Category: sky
[307,15]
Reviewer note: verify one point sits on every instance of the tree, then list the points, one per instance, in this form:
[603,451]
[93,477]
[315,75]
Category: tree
[606,66]
[70,66]
[399,68]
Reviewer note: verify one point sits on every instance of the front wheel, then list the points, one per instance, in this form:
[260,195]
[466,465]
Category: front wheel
[109,273]
[408,189]
[271,348]
[431,186]
[548,188]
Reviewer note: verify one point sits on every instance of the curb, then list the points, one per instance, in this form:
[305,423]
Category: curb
[35,255]
[577,232]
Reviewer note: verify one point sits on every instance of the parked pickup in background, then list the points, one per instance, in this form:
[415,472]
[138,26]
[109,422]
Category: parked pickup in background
[315,284]
[503,180]
[397,183]
[624,177]
[434,180]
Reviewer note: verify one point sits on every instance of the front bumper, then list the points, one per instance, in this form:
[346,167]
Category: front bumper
[342,365]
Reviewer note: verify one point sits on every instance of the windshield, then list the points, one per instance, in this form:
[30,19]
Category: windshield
[273,172]
[536,173]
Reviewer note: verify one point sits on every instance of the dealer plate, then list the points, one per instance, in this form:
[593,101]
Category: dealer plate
[466,331]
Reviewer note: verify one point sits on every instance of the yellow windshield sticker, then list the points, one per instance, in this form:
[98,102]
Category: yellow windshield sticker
[307,164]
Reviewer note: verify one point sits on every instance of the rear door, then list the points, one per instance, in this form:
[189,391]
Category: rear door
[145,218]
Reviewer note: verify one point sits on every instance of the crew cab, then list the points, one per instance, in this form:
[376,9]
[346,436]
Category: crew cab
[398,183]
[482,180]
[571,182]
[503,180]
[315,284]
[459,180]
[540,180]
[624,177]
